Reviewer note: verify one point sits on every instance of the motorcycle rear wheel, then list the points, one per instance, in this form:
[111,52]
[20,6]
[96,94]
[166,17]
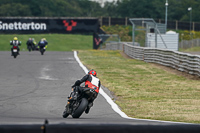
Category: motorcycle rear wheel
[82,106]
[14,55]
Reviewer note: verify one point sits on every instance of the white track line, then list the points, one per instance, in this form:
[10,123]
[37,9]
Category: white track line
[114,106]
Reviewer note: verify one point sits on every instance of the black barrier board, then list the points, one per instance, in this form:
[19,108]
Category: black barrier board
[122,128]
[21,129]
[100,128]
[48,25]
[97,41]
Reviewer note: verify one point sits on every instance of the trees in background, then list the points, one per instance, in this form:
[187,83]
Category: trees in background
[49,8]
[177,9]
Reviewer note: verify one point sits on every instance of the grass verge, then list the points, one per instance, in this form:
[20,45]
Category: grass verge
[144,90]
[193,49]
[57,42]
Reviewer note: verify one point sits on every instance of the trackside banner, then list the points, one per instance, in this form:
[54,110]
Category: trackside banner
[48,25]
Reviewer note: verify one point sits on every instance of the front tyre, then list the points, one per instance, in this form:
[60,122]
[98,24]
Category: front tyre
[79,111]
[65,114]
[41,51]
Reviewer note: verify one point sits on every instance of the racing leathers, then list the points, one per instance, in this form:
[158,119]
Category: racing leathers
[30,43]
[15,43]
[42,44]
[91,82]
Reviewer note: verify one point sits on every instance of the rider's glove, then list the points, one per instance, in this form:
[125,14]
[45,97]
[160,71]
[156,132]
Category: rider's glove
[73,86]
[77,83]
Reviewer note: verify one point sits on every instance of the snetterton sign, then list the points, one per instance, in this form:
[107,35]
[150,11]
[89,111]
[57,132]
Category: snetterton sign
[22,26]
[31,25]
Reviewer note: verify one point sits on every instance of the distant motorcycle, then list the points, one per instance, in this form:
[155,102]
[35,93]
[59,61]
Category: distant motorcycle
[15,51]
[29,48]
[77,107]
[42,46]
[42,50]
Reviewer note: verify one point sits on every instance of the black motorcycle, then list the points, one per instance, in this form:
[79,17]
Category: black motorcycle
[42,50]
[76,108]
[29,48]
[15,51]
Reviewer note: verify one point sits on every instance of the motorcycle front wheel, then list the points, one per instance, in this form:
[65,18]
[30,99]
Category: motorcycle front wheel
[65,114]
[42,52]
[80,109]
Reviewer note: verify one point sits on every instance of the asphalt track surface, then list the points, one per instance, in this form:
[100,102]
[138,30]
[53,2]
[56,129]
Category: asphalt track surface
[34,87]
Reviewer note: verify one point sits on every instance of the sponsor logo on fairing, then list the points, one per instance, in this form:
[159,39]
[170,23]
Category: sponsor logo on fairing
[22,26]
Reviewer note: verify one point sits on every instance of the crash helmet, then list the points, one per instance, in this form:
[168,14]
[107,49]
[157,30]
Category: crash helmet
[15,38]
[92,72]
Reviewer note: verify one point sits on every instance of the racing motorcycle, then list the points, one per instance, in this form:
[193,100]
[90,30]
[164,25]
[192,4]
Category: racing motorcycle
[15,51]
[29,48]
[42,50]
[76,107]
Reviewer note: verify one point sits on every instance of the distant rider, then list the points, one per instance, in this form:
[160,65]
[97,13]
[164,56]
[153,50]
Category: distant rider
[16,43]
[30,43]
[92,82]
[43,43]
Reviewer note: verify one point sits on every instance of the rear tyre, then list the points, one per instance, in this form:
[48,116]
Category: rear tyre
[14,55]
[79,111]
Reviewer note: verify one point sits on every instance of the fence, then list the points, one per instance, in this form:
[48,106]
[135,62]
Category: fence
[181,61]
[175,25]
[189,43]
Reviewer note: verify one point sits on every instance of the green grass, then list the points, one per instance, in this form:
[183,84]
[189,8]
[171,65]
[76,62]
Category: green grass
[57,42]
[144,90]
[193,49]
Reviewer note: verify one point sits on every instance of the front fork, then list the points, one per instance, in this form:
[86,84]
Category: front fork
[67,108]
[71,106]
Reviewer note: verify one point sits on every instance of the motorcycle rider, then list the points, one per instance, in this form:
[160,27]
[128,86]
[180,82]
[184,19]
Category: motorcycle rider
[30,43]
[15,42]
[92,82]
[43,43]
[45,40]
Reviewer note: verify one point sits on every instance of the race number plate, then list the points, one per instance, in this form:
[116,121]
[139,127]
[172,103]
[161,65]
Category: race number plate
[14,50]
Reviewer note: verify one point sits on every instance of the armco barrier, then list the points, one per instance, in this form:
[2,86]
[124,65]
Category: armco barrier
[181,61]
[100,128]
